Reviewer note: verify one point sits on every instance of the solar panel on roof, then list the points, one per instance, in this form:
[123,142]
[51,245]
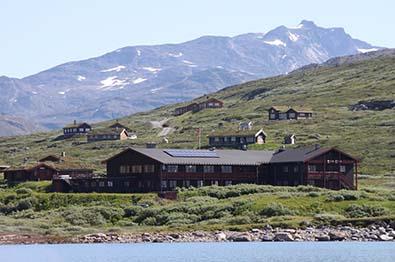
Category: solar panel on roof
[191,153]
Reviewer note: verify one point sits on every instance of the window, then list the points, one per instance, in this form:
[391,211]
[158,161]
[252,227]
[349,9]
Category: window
[283,116]
[93,184]
[285,169]
[126,183]
[109,184]
[312,168]
[163,184]
[124,169]
[228,182]
[137,169]
[208,169]
[272,116]
[101,184]
[172,184]
[233,139]
[172,168]
[226,169]
[291,115]
[149,168]
[82,130]
[343,168]
[199,183]
[216,139]
[226,139]
[214,182]
[186,183]
[190,169]
[296,169]
[250,139]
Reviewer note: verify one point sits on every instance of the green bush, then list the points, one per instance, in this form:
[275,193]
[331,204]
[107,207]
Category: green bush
[336,198]
[96,215]
[25,203]
[275,209]
[313,194]
[24,191]
[357,211]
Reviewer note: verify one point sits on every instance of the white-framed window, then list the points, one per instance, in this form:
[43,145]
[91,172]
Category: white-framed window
[137,169]
[124,169]
[226,139]
[172,184]
[186,183]
[149,168]
[208,169]
[109,183]
[163,184]
[190,169]
[214,182]
[172,168]
[233,139]
[216,139]
[272,116]
[283,116]
[200,183]
[285,169]
[226,169]
[228,182]
[101,184]
[312,168]
[291,115]
[342,168]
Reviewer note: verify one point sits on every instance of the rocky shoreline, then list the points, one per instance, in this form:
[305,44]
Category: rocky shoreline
[382,232]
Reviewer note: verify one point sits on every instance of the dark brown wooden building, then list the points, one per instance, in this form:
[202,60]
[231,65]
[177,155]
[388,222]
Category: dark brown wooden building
[289,113]
[76,129]
[237,139]
[155,170]
[45,169]
[105,134]
[196,107]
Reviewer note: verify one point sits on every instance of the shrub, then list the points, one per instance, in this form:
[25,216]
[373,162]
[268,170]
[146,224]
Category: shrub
[336,198]
[313,194]
[357,211]
[327,218]
[276,210]
[133,211]
[238,220]
[25,203]
[24,191]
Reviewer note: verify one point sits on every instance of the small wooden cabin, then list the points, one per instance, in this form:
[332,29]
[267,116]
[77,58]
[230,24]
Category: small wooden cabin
[76,129]
[289,113]
[290,139]
[105,134]
[237,139]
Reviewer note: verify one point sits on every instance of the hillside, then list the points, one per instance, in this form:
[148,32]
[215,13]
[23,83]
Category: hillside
[329,89]
[138,78]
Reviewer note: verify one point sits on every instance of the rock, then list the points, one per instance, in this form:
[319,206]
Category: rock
[221,236]
[199,234]
[385,238]
[267,238]
[256,231]
[283,236]
[382,230]
[322,237]
[337,235]
[240,238]
[175,235]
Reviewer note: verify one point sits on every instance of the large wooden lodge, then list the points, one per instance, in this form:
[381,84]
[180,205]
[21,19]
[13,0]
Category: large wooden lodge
[156,170]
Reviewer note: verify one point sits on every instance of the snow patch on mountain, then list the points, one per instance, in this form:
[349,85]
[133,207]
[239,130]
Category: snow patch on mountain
[116,69]
[276,42]
[138,80]
[111,82]
[81,78]
[299,26]
[138,52]
[293,37]
[362,50]
[61,92]
[179,54]
[152,69]
[154,90]
[188,62]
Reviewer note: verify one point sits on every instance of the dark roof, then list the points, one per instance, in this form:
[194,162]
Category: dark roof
[225,157]
[284,109]
[76,125]
[237,133]
[301,154]
[107,131]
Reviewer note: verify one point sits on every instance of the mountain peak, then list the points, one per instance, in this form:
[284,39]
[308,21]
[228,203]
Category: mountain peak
[307,23]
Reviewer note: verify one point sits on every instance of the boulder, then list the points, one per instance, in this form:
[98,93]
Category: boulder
[267,238]
[240,238]
[322,237]
[283,236]
[385,238]
[337,235]
[221,236]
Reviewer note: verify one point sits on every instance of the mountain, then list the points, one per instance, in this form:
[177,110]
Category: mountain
[139,78]
[11,126]
[331,89]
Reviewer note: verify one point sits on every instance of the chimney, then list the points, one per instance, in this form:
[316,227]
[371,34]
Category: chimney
[75,122]
[150,145]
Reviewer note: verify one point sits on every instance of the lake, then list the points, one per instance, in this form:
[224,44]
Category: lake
[227,252]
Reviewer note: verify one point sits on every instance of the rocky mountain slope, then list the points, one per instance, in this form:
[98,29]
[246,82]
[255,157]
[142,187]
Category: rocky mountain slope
[138,78]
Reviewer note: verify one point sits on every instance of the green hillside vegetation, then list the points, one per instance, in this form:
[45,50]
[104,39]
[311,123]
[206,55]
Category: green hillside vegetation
[28,208]
[329,90]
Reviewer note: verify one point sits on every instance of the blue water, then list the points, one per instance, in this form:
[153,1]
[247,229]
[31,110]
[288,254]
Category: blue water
[226,252]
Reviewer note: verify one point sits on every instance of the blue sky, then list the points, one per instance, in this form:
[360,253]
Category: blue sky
[39,34]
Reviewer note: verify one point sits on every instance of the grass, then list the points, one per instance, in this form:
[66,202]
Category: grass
[27,209]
